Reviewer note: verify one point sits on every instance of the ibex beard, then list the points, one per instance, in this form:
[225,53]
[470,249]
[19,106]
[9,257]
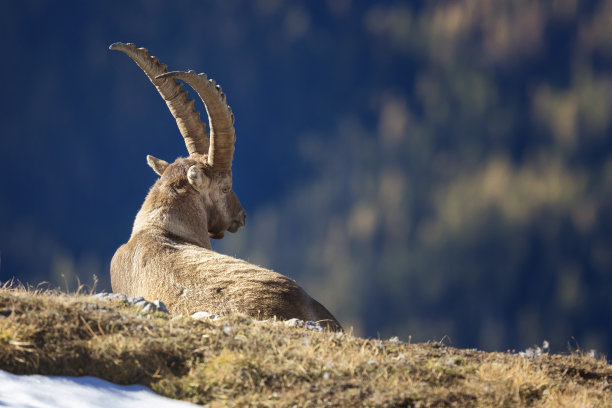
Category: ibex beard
[169,256]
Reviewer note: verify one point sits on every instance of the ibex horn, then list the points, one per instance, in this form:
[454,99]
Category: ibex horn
[220,117]
[181,106]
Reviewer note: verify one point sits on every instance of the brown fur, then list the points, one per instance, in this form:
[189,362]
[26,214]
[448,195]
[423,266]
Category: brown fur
[169,257]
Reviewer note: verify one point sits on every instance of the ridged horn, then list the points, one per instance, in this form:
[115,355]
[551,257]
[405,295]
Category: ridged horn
[220,117]
[180,105]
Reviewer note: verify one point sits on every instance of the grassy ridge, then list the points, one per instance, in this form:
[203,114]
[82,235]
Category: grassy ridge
[235,361]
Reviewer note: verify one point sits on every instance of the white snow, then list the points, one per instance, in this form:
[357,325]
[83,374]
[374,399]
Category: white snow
[39,391]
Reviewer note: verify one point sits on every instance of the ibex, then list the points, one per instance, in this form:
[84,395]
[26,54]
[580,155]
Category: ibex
[169,256]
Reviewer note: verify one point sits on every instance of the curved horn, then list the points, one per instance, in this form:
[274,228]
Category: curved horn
[220,117]
[181,106]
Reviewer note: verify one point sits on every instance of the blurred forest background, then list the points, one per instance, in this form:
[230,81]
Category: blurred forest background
[424,169]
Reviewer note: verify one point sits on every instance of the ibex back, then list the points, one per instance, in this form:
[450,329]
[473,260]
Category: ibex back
[168,256]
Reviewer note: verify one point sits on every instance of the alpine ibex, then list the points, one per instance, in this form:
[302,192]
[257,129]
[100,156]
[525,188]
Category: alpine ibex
[169,256]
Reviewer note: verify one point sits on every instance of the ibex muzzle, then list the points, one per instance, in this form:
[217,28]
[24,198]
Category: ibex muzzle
[169,256]
[227,214]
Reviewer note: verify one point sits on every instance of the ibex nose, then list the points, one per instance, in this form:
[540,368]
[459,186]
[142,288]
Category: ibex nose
[238,222]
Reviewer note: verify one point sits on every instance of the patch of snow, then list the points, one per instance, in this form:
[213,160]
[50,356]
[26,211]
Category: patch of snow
[40,391]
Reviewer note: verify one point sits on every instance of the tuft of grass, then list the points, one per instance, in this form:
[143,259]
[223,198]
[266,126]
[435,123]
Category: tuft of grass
[236,361]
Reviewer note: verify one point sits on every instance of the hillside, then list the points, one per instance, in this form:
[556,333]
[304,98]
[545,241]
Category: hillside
[235,361]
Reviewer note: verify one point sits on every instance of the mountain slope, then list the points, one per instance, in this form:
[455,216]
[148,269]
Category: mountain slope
[236,361]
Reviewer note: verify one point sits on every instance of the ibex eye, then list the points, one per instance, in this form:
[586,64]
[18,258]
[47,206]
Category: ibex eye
[226,190]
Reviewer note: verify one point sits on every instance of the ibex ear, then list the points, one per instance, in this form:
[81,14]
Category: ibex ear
[195,177]
[158,165]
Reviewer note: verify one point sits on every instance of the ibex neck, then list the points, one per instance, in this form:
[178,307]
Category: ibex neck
[165,222]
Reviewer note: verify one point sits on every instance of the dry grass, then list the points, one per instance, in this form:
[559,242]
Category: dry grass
[235,361]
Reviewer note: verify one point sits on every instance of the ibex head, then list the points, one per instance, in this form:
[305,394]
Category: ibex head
[193,195]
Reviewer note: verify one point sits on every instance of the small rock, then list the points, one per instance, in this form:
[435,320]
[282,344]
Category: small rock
[310,325]
[452,361]
[294,323]
[531,353]
[394,339]
[117,296]
[141,304]
[108,296]
[313,326]
[160,307]
[536,351]
[205,315]
[135,300]
[148,308]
